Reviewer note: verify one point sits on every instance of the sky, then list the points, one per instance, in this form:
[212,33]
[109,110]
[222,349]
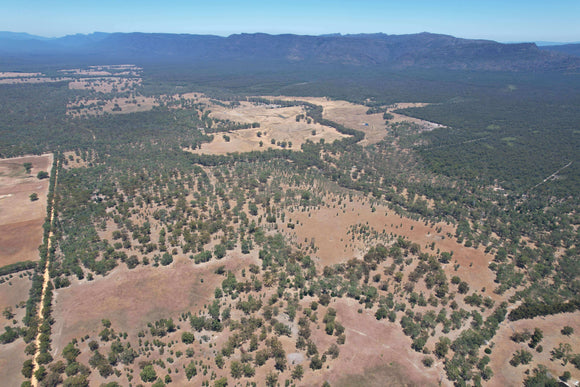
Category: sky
[501,20]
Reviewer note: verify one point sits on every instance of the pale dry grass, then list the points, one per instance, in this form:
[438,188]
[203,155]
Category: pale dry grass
[105,84]
[92,107]
[504,348]
[276,123]
[11,74]
[33,80]
[355,116]
[21,219]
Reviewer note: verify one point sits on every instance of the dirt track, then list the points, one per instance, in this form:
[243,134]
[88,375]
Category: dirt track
[46,279]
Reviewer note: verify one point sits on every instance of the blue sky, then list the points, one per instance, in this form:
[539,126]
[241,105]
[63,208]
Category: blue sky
[506,20]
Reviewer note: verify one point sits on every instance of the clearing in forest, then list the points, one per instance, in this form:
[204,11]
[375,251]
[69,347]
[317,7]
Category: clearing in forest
[355,116]
[21,217]
[504,348]
[340,232]
[279,128]
[132,298]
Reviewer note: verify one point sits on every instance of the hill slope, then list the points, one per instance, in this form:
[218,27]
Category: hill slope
[568,49]
[422,50]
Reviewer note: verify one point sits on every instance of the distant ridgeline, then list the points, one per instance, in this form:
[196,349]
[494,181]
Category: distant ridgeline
[424,50]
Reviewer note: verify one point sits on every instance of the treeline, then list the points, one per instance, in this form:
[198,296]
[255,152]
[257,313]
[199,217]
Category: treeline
[530,310]
[315,113]
[17,267]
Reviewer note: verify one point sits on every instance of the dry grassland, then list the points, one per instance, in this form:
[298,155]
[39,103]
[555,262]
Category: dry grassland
[13,294]
[105,84]
[330,229]
[119,105]
[132,298]
[9,74]
[376,353]
[507,375]
[17,81]
[276,123]
[21,219]
[355,116]
[20,235]
[11,358]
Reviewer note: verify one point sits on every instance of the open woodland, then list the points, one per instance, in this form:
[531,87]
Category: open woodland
[288,229]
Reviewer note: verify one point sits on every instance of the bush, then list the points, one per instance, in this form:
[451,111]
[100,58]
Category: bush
[148,374]
[190,370]
[187,337]
[521,357]
[167,259]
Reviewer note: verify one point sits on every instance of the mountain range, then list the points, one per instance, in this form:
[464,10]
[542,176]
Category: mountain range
[423,50]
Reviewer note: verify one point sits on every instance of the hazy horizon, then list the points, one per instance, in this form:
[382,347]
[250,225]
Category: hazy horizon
[538,43]
[514,21]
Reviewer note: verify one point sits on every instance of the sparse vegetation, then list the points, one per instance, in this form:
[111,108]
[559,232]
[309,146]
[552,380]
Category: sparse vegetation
[420,238]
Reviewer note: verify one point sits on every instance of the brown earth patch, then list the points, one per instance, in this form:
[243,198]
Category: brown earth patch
[15,81]
[504,348]
[12,74]
[330,226]
[11,358]
[119,105]
[355,116]
[13,293]
[21,219]
[105,84]
[373,349]
[19,241]
[276,123]
[131,298]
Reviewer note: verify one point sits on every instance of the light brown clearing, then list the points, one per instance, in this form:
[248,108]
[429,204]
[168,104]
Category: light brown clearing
[11,358]
[71,160]
[12,355]
[131,298]
[133,104]
[14,81]
[375,347]
[105,84]
[329,226]
[92,72]
[354,116]
[20,219]
[11,74]
[350,115]
[276,123]
[11,294]
[104,70]
[20,241]
[506,375]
